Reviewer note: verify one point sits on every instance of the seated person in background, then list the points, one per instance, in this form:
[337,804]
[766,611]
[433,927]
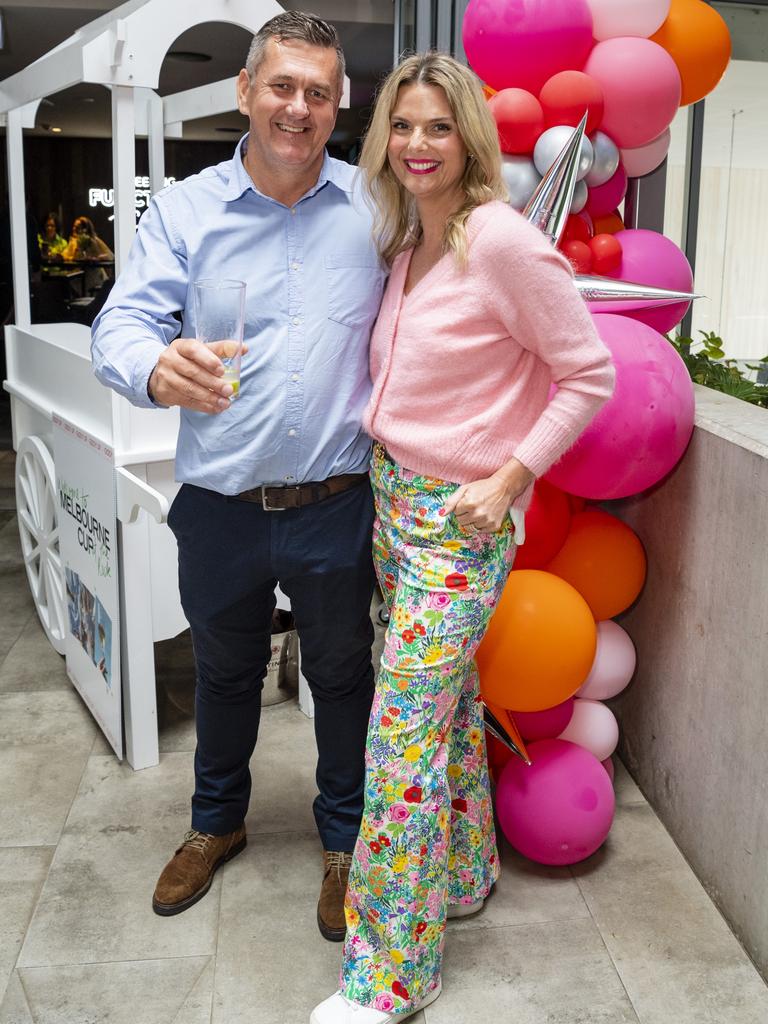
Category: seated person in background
[50,242]
[85,244]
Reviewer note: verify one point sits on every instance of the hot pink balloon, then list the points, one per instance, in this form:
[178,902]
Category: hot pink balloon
[641,87]
[594,727]
[603,199]
[650,258]
[645,159]
[643,429]
[559,810]
[524,42]
[614,664]
[544,725]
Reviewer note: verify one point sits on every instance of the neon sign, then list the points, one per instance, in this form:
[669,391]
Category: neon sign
[106,196]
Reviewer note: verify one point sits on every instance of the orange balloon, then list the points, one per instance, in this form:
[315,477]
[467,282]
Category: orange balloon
[604,560]
[488,91]
[540,644]
[698,41]
[609,224]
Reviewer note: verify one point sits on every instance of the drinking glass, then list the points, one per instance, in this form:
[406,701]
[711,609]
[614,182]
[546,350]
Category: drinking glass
[220,317]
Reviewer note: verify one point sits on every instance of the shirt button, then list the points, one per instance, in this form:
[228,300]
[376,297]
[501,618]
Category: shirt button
[295,376]
[289,478]
[294,266]
[293,211]
[291,432]
[296,321]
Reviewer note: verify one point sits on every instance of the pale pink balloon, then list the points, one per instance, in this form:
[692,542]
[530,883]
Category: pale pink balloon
[614,663]
[641,87]
[645,159]
[627,17]
[594,727]
[559,810]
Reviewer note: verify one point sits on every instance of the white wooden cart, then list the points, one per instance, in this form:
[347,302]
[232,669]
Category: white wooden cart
[49,370]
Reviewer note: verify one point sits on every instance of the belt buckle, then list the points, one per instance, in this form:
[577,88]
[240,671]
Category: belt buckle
[265,501]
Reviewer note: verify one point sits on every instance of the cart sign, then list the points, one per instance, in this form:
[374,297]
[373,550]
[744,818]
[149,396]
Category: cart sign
[85,483]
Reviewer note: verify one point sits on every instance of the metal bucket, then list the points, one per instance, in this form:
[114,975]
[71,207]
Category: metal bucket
[282,680]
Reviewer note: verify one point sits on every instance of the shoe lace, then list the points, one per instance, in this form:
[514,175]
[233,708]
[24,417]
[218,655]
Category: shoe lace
[196,840]
[338,861]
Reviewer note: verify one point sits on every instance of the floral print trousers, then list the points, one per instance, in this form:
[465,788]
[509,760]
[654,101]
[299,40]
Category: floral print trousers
[427,837]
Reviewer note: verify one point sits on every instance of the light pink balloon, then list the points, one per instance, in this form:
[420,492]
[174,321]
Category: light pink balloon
[650,258]
[614,664]
[627,17]
[603,199]
[523,43]
[645,159]
[543,725]
[559,810]
[594,727]
[641,86]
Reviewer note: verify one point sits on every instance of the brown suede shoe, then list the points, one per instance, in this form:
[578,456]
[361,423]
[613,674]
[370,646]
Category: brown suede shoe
[187,876]
[330,906]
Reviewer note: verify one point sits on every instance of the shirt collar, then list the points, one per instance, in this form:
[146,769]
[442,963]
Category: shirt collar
[240,180]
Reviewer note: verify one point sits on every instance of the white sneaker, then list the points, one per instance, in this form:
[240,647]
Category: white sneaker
[337,1009]
[465,909]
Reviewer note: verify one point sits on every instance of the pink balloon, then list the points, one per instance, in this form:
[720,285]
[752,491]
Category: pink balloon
[608,765]
[523,43]
[650,258]
[645,159]
[641,86]
[543,725]
[559,810]
[627,17]
[643,429]
[603,199]
[614,663]
[594,727]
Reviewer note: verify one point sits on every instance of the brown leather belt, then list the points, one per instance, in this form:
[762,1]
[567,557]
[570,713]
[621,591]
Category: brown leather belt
[278,499]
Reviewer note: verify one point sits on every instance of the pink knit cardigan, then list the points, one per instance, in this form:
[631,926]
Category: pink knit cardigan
[463,366]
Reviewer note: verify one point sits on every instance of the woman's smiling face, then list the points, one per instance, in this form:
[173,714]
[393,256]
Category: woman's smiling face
[425,151]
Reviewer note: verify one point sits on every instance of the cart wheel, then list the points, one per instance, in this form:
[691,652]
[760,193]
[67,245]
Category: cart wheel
[38,519]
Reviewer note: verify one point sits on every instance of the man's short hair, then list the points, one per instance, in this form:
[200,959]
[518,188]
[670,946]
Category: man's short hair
[294,25]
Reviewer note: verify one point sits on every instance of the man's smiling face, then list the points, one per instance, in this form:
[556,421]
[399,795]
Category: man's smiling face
[291,105]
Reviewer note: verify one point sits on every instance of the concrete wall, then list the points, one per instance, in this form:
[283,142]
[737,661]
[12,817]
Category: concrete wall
[695,719]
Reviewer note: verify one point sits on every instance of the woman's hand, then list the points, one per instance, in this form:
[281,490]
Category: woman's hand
[483,504]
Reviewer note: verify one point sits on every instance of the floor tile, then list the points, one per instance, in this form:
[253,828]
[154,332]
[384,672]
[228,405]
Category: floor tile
[16,607]
[273,965]
[198,1005]
[674,952]
[526,893]
[555,973]
[32,664]
[14,1008]
[50,718]
[96,903]
[625,787]
[22,873]
[141,992]
[10,546]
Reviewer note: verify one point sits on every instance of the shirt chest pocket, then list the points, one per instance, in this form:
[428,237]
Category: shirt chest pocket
[354,283]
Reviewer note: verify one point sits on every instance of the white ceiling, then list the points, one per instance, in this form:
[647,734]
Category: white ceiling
[33,27]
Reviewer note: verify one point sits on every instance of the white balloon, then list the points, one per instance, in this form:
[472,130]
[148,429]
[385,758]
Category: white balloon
[594,727]
[645,159]
[580,196]
[520,177]
[612,18]
[552,142]
[606,159]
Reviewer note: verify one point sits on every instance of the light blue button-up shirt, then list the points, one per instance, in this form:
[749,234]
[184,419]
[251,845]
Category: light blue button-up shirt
[313,287]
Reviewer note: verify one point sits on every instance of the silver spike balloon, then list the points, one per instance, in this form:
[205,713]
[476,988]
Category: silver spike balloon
[495,728]
[550,205]
[609,295]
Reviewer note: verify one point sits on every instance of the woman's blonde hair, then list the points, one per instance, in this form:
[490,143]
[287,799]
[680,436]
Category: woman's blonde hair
[397,224]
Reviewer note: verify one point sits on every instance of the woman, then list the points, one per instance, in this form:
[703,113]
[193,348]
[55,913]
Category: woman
[50,242]
[85,244]
[480,317]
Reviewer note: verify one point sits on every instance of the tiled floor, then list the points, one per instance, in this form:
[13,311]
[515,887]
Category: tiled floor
[627,936]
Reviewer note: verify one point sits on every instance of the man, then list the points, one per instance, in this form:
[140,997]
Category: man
[274,483]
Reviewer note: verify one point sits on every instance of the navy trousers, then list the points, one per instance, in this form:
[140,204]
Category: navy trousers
[231,555]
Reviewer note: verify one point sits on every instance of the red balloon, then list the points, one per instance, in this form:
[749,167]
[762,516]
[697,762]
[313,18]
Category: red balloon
[579,255]
[519,119]
[567,95]
[576,229]
[606,253]
[547,522]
